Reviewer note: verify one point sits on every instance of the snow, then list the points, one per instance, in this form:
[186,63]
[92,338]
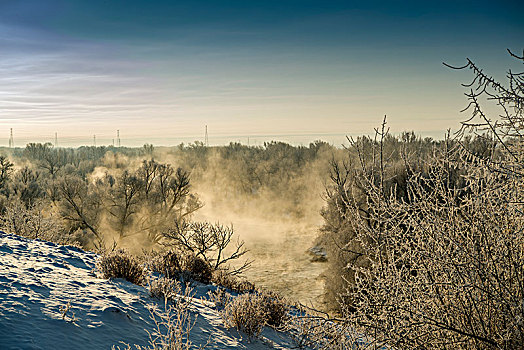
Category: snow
[50,298]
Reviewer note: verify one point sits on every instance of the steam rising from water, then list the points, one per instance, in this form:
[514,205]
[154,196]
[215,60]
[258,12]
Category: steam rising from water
[278,225]
[279,253]
[278,229]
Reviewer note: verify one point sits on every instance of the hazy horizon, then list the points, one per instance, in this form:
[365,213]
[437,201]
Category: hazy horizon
[335,139]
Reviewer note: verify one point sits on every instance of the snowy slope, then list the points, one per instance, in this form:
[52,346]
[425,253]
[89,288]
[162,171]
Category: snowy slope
[38,279]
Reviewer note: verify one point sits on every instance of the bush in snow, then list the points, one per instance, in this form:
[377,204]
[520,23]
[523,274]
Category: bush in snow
[231,282]
[178,265]
[245,314]
[250,312]
[197,268]
[120,264]
[277,310]
[219,297]
[163,288]
[168,263]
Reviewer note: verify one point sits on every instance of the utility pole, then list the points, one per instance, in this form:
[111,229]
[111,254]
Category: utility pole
[206,139]
[11,140]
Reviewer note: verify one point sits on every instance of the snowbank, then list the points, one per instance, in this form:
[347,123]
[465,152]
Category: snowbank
[51,299]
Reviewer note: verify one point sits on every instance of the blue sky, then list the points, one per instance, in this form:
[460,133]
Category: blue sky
[161,70]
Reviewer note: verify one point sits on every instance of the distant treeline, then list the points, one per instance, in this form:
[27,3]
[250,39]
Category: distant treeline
[98,196]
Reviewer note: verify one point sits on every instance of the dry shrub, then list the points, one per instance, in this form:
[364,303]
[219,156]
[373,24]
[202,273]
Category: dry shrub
[306,332]
[177,264]
[33,222]
[174,324]
[277,309]
[119,264]
[319,332]
[180,265]
[163,288]
[219,297]
[250,312]
[224,279]
[168,263]
[445,262]
[245,313]
[198,269]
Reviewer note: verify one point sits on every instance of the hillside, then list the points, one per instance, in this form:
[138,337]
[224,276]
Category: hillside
[50,298]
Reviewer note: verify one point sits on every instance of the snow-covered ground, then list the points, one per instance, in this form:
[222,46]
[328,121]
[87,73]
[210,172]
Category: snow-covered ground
[50,298]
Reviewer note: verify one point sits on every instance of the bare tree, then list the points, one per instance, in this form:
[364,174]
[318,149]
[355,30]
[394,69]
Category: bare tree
[77,204]
[124,201]
[208,241]
[147,173]
[167,196]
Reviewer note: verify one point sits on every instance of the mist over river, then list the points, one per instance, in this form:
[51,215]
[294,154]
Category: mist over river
[279,251]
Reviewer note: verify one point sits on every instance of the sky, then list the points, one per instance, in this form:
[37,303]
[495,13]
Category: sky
[297,71]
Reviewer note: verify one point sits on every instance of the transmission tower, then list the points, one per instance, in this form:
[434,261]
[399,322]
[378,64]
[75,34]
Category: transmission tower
[56,139]
[94,140]
[118,138]
[206,139]
[11,140]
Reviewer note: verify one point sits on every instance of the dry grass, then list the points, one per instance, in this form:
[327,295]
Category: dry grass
[174,323]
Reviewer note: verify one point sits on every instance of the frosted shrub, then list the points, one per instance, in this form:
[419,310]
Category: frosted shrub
[445,258]
[319,332]
[225,279]
[120,264]
[32,222]
[163,288]
[245,314]
[276,308]
[250,312]
[174,324]
[181,265]
[197,268]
